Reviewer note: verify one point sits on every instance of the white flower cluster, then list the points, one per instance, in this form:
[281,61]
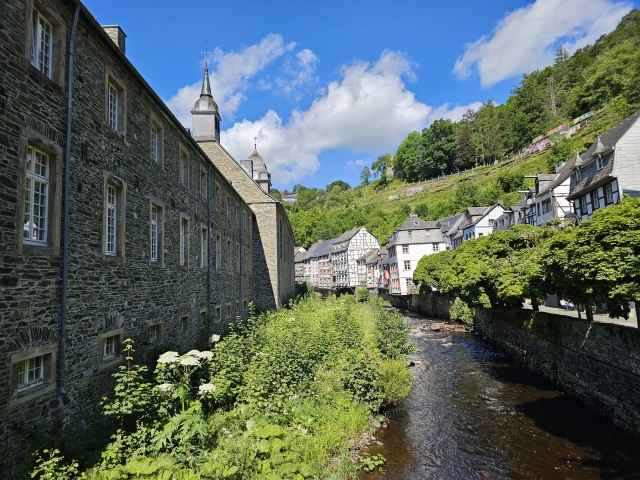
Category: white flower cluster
[168,357]
[165,387]
[188,361]
[214,338]
[206,388]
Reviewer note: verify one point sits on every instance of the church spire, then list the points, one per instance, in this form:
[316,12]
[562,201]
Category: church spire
[206,86]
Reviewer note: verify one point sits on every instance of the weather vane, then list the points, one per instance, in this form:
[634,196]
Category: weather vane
[206,55]
[255,142]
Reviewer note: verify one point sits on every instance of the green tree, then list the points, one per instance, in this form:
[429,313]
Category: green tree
[467,195]
[422,210]
[341,185]
[407,158]
[486,133]
[561,151]
[439,143]
[511,181]
[379,166]
[599,260]
[275,193]
[365,176]
[465,156]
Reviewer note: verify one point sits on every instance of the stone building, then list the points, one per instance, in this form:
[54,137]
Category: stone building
[163,243]
[272,240]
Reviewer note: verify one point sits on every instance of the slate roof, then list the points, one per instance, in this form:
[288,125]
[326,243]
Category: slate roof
[416,223]
[608,139]
[560,176]
[348,235]
[323,249]
[475,211]
[589,182]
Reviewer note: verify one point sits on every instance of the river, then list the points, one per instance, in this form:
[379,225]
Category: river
[472,413]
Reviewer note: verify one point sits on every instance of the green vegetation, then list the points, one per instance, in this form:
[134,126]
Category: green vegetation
[603,77]
[592,263]
[460,311]
[277,397]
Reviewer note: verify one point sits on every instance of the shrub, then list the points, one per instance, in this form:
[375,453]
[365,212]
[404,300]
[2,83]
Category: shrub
[362,294]
[461,311]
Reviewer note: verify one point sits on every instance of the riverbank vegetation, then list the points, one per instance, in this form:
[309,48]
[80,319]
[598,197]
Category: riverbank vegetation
[278,397]
[595,262]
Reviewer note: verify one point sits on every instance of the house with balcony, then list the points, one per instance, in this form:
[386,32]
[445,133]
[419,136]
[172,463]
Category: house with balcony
[321,262]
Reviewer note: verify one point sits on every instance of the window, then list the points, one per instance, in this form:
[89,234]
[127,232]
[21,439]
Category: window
[184,168]
[155,333]
[578,174]
[407,265]
[218,252]
[237,308]
[184,242]
[156,233]
[237,212]
[217,197]
[36,197]
[409,282]
[599,162]
[113,107]
[228,310]
[608,192]
[405,248]
[228,206]
[111,221]
[157,141]
[110,347]
[203,248]
[238,257]
[410,233]
[546,206]
[218,313]
[480,235]
[41,42]
[583,205]
[538,208]
[436,247]
[184,323]
[32,371]
[491,222]
[203,184]
[245,305]
[229,253]
[203,317]
[595,201]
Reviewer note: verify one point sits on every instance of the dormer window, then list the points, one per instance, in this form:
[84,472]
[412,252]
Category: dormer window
[578,174]
[599,162]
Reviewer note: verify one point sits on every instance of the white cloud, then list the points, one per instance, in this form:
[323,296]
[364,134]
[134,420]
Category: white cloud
[299,73]
[526,39]
[368,109]
[357,164]
[231,77]
[455,113]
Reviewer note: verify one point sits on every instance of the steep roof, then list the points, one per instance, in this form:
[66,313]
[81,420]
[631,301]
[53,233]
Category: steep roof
[258,161]
[205,102]
[608,139]
[475,211]
[589,182]
[416,223]
[323,248]
[560,176]
[348,235]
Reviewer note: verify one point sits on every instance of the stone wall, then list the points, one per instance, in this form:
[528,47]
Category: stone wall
[126,294]
[597,362]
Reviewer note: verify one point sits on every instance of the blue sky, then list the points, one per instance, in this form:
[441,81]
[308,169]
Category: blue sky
[327,86]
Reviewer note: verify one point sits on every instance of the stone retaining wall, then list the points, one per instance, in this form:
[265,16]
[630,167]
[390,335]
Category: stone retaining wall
[597,362]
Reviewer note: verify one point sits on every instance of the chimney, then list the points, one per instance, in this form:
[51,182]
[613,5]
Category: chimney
[117,35]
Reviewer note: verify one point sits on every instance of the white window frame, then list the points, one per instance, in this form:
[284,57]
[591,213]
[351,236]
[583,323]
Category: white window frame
[33,365]
[436,247]
[155,143]
[608,193]
[407,262]
[109,347]
[595,200]
[203,248]
[184,242]
[155,333]
[155,233]
[112,106]
[111,219]
[37,178]
[599,162]
[405,248]
[41,43]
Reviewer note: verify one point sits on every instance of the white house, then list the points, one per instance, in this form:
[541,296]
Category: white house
[480,220]
[345,252]
[407,245]
[608,169]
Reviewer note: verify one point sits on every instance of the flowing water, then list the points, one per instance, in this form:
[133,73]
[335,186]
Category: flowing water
[472,413]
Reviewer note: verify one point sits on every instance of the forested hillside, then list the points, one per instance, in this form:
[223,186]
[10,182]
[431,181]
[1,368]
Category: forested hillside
[603,77]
